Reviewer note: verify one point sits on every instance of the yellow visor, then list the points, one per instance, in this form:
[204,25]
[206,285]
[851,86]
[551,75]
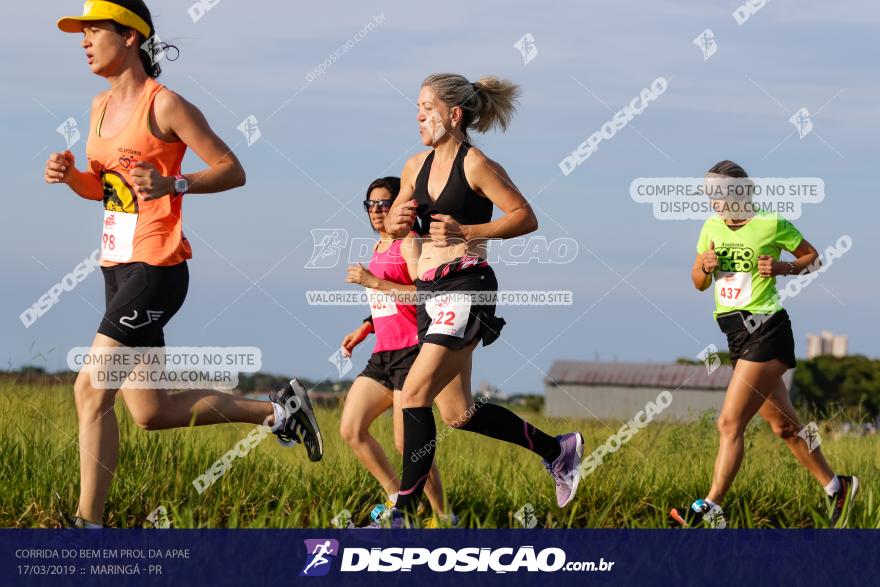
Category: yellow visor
[99,10]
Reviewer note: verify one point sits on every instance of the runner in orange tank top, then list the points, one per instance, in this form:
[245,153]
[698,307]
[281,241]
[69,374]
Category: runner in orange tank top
[137,229]
[138,134]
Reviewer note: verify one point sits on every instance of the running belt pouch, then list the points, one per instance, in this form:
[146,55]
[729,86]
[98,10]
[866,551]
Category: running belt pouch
[733,322]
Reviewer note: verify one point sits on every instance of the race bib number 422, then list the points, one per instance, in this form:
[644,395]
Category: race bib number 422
[449,314]
[734,289]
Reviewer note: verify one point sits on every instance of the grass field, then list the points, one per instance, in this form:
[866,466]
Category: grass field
[486,481]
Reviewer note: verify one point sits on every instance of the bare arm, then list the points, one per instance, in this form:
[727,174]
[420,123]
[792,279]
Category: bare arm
[806,260]
[701,279]
[61,168]
[178,118]
[360,275]
[490,179]
[704,268]
[402,215]
[386,286]
[411,250]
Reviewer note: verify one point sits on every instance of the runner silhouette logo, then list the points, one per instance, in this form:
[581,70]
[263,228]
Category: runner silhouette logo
[319,553]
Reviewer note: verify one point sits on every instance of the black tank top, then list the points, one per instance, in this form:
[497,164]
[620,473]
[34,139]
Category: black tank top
[457,198]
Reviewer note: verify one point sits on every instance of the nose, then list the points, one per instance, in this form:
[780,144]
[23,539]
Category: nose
[421,116]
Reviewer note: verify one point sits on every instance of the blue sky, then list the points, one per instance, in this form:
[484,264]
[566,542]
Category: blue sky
[322,142]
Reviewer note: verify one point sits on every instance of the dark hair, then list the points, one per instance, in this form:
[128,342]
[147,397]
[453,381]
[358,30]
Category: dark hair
[728,168]
[390,183]
[148,54]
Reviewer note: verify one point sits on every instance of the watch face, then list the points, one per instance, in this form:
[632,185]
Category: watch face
[180,185]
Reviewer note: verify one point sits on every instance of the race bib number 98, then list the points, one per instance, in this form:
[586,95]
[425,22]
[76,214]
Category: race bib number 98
[117,238]
[449,314]
[733,289]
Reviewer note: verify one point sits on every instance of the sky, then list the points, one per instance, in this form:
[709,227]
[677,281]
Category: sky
[324,137]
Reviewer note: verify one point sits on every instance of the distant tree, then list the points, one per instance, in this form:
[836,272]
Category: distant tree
[848,382]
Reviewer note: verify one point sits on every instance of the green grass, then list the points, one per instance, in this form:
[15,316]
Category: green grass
[486,481]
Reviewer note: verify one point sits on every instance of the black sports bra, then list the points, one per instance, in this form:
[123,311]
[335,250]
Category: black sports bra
[457,198]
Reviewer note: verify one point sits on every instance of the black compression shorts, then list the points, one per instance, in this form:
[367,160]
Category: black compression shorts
[141,299]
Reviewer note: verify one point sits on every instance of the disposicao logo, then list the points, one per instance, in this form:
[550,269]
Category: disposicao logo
[319,553]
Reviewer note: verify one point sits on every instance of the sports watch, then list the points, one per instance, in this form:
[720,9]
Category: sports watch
[181,185]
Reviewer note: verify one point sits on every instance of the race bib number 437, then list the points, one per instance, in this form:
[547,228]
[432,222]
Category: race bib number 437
[449,314]
[734,289]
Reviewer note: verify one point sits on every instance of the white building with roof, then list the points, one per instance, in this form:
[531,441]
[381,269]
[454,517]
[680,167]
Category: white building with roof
[617,391]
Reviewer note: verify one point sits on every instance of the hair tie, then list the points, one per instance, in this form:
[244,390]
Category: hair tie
[156,49]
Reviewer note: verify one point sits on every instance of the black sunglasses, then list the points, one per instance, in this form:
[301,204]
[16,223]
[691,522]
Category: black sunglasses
[384,205]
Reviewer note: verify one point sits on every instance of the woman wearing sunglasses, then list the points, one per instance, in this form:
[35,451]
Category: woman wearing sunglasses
[392,270]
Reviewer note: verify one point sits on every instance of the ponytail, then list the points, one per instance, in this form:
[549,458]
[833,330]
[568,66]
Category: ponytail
[487,103]
[149,50]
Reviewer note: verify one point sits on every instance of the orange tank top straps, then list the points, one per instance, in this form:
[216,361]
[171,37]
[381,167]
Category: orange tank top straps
[135,229]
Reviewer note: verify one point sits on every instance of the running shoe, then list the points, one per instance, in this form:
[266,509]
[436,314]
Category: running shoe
[445,521]
[68,521]
[841,502]
[699,514]
[388,518]
[566,469]
[299,423]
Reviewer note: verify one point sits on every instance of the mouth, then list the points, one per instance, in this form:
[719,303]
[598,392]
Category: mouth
[90,58]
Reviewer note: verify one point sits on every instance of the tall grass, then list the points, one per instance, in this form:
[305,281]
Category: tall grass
[486,481]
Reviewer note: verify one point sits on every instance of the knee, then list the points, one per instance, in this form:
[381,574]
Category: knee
[454,419]
[147,419]
[89,400]
[415,395]
[729,427]
[352,433]
[784,429]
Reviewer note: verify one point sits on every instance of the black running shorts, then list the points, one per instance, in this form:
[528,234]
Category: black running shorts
[391,367]
[141,299]
[454,325]
[758,337]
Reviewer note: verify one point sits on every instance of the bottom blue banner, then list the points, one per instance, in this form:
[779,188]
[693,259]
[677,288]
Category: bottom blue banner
[511,557]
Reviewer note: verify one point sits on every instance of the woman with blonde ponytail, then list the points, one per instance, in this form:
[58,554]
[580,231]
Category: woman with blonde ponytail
[447,196]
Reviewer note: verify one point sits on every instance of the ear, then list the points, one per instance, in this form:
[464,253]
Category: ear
[133,38]
[456,113]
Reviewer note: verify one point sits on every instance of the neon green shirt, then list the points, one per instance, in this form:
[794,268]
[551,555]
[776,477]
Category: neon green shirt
[738,285]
